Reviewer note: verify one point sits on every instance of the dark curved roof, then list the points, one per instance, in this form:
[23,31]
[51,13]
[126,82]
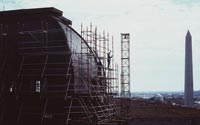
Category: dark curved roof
[16,14]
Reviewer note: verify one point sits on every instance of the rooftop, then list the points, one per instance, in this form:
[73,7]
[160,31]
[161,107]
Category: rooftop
[144,109]
[163,112]
[17,14]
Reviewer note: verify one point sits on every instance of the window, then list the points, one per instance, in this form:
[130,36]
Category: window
[37,89]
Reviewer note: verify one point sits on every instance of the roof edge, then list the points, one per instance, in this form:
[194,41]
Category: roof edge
[52,10]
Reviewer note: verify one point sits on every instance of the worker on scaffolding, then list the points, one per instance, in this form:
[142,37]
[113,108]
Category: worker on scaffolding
[109,58]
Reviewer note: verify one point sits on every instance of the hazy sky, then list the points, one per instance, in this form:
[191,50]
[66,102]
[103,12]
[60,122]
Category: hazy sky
[157,29]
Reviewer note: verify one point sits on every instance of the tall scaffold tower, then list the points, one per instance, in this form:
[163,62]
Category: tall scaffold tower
[125,65]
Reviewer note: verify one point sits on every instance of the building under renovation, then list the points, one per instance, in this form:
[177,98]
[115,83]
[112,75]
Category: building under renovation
[52,75]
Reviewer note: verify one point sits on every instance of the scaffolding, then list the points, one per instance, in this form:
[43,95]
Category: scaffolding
[116,81]
[125,65]
[46,67]
[99,44]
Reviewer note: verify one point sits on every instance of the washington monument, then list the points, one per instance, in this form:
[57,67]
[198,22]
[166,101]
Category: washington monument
[188,95]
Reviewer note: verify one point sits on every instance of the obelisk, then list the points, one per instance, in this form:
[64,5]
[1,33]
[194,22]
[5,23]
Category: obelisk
[188,94]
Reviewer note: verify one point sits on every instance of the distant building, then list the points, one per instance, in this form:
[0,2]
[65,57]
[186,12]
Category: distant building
[158,97]
[188,94]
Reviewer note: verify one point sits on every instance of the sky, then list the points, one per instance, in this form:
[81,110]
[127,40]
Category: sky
[157,34]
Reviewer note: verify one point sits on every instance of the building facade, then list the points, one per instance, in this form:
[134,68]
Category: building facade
[49,75]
